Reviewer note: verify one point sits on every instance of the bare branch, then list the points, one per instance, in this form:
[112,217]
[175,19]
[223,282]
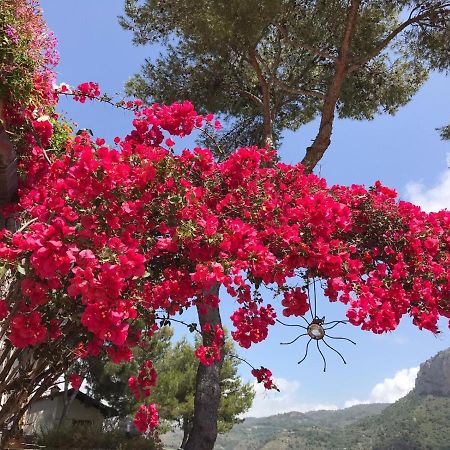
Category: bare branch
[27,224]
[220,150]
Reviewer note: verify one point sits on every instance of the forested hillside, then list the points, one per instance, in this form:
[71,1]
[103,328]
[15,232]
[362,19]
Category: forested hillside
[420,420]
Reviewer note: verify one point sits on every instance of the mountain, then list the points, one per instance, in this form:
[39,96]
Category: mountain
[421,419]
[415,422]
[294,430]
[418,421]
[303,430]
[434,376]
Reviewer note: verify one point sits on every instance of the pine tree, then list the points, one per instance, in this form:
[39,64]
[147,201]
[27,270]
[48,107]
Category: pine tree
[176,366]
[273,65]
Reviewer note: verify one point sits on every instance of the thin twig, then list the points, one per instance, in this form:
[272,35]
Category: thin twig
[297,90]
[242,360]
[210,136]
[41,145]
[26,224]
[101,99]
[309,301]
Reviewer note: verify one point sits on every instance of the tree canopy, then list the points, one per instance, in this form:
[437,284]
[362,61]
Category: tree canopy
[273,65]
[445,132]
[112,241]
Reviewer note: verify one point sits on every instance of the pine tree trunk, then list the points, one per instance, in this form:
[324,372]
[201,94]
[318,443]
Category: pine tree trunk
[266,108]
[207,392]
[315,152]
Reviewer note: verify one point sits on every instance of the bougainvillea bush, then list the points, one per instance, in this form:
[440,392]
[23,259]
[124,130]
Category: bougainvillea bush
[27,56]
[116,236]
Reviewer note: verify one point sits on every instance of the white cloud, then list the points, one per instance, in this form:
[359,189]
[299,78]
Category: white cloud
[391,389]
[394,338]
[268,403]
[400,340]
[431,199]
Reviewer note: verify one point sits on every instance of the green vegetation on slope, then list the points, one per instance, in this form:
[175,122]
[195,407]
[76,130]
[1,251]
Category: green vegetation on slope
[415,422]
[315,429]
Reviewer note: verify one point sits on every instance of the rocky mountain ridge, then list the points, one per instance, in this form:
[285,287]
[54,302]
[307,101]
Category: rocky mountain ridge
[434,376]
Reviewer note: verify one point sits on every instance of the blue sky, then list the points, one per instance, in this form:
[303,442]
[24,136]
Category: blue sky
[403,151]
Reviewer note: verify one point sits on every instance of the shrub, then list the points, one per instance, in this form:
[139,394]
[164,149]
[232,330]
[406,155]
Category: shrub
[92,437]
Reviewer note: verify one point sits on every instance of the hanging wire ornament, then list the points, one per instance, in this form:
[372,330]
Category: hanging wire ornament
[316,329]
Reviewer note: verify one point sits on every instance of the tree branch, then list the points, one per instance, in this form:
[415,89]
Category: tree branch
[287,87]
[253,97]
[303,46]
[297,90]
[265,89]
[315,152]
[385,42]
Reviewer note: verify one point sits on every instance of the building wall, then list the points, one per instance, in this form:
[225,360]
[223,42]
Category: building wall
[45,414]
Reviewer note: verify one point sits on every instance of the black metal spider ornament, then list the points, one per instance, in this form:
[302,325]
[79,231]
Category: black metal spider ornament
[316,330]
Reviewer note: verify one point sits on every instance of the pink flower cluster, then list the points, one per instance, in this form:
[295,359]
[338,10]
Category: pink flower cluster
[264,376]
[38,49]
[146,379]
[117,235]
[41,43]
[88,90]
[27,329]
[146,418]
[208,354]
[295,303]
[252,323]
[75,380]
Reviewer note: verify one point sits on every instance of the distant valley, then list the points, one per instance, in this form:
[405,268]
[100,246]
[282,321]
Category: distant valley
[418,421]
